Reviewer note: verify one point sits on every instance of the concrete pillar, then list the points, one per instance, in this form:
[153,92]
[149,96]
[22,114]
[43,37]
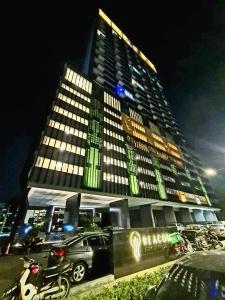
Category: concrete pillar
[169,215]
[214,216]
[199,216]
[119,213]
[146,214]
[186,216]
[48,219]
[29,214]
[71,215]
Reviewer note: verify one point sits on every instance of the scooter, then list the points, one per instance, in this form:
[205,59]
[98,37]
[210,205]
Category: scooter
[36,283]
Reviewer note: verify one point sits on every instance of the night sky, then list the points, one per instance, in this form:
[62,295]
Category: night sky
[184,39]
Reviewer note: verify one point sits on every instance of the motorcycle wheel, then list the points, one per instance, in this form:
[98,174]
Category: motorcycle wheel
[11,297]
[13,294]
[66,284]
[190,249]
[218,243]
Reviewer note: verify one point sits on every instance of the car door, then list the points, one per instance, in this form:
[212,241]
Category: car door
[98,247]
[80,251]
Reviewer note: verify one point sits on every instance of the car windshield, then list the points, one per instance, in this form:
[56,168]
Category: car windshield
[191,284]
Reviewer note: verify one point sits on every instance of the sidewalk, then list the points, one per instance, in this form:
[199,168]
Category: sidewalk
[82,290]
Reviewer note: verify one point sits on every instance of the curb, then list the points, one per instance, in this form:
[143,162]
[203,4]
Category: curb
[108,281]
[91,285]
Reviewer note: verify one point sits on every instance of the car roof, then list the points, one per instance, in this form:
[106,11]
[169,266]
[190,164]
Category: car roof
[212,260]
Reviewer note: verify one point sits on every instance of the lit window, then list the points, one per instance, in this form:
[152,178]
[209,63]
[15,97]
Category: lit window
[113,134]
[78,80]
[137,84]
[39,161]
[111,101]
[100,33]
[66,87]
[67,129]
[112,113]
[52,165]
[168,178]
[115,178]
[73,103]
[46,163]
[64,167]
[112,123]
[70,115]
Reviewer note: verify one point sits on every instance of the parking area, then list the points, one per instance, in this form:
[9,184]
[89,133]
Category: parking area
[11,266]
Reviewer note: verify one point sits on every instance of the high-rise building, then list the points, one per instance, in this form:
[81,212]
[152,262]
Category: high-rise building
[111,136]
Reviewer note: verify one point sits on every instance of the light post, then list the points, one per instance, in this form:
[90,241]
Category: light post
[212,172]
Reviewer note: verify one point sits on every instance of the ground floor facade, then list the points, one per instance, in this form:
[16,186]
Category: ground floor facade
[58,208]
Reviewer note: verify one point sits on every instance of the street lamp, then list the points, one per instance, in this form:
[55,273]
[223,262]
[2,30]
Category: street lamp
[212,172]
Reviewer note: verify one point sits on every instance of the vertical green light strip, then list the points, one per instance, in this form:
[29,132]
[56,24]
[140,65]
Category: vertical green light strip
[159,179]
[188,173]
[174,169]
[132,170]
[204,190]
[92,167]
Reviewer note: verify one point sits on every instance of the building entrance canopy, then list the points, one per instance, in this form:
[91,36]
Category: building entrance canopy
[43,197]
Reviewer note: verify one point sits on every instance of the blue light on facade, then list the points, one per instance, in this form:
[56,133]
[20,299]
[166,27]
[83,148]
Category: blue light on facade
[120,91]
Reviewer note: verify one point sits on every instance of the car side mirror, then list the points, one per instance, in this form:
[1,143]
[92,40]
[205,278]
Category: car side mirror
[150,293]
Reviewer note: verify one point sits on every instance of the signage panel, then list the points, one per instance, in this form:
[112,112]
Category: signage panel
[139,248]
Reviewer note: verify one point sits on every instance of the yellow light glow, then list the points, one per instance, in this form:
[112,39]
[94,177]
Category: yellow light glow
[105,18]
[116,29]
[124,37]
[210,172]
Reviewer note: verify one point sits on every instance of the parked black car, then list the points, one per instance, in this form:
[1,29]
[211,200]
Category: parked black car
[196,276]
[87,251]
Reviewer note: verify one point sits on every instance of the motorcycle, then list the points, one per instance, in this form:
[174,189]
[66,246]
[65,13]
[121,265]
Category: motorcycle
[188,246]
[212,239]
[177,247]
[37,283]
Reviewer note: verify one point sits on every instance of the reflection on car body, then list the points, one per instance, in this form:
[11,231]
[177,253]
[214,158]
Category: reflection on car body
[197,276]
[87,251]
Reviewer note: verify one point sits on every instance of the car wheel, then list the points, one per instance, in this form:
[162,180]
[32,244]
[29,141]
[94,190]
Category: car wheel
[79,272]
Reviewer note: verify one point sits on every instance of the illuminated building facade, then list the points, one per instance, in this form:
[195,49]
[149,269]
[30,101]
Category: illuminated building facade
[114,137]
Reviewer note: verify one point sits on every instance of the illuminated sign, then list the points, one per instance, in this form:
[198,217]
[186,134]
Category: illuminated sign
[146,241]
[134,128]
[135,241]
[122,92]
